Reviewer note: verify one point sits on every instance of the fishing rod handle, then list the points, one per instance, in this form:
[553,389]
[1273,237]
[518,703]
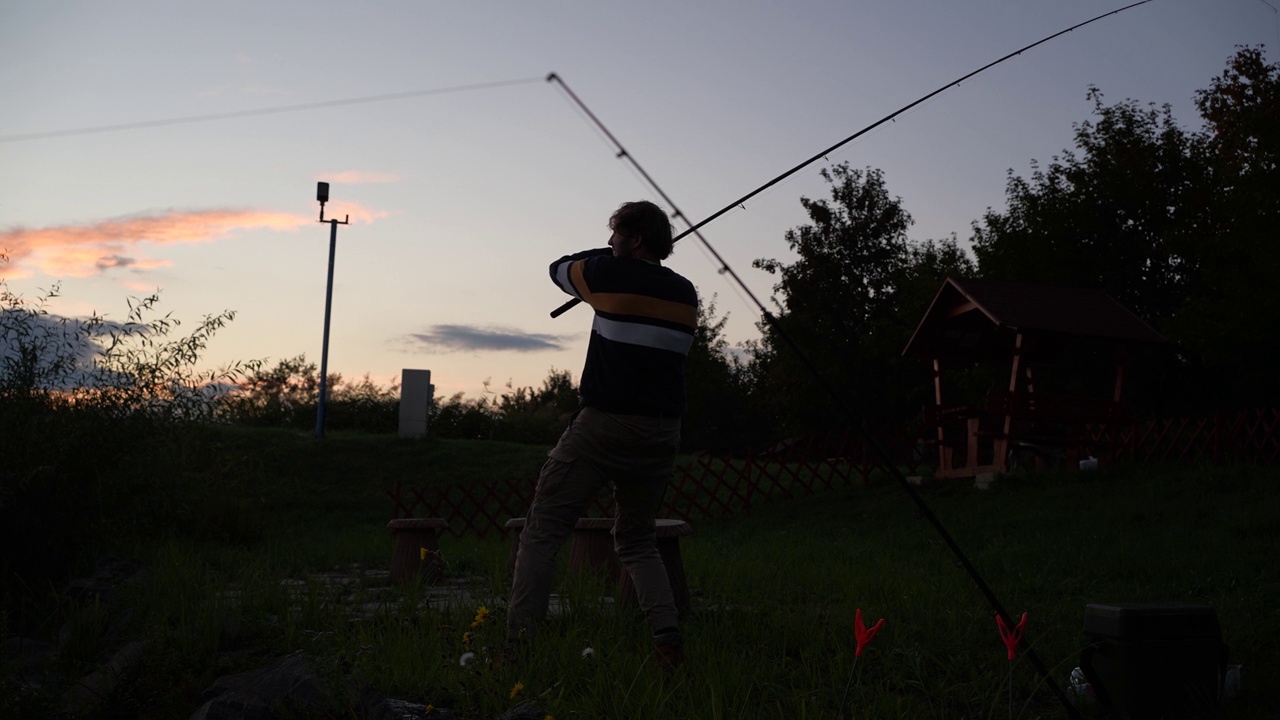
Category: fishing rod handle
[565,307]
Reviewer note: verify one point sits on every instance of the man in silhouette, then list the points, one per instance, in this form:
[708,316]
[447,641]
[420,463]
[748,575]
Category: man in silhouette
[627,428]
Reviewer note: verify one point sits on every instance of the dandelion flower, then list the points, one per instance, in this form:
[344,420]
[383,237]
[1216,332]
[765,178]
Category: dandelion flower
[466,641]
[428,709]
[422,553]
[481,615]
[588,652]
[548,717]
[516,690]
[466,659]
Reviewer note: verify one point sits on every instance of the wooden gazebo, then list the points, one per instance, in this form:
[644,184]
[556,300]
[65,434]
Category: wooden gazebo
[1029,327]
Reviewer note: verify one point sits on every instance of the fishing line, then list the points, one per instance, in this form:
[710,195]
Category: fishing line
[742,200]
[837,397]
[881,457]
[277,110]
[1276,13]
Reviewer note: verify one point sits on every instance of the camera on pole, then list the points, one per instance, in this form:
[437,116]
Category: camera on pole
[322,195]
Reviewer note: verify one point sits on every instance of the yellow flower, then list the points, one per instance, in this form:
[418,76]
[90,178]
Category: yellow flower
[422,553]
[516,690]
[548,717]
[466,641]
[481,615]
[429,709]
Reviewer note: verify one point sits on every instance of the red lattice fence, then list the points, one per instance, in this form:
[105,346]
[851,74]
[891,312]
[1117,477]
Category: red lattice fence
[721,486]
[478,509]
[1251,436]
[708,487]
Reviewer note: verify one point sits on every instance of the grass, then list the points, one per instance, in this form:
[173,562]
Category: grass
[771,634]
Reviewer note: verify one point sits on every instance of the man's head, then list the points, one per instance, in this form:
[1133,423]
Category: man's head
[642,229]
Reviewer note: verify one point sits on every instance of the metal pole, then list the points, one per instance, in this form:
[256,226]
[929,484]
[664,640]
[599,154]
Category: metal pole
[324,352]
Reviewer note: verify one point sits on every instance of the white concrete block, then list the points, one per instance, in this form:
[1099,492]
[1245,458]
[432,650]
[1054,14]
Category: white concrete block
[416,394]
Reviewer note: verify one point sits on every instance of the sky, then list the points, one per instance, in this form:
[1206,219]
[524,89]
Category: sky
[462,192]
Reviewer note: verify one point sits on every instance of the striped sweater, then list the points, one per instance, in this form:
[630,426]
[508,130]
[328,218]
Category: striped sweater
[645,317]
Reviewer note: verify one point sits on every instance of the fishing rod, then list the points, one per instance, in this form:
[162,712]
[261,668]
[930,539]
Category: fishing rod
[880,456]
[740,201]
[879,453]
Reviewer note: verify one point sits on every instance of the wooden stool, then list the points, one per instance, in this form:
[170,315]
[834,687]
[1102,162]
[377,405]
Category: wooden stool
[593,550]
[516,524]
[411,536]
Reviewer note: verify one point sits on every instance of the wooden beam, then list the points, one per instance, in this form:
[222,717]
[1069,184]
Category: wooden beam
[937,381]
[961,309]
[1003,443]
[1122,361]
[944,453]
[1017,363]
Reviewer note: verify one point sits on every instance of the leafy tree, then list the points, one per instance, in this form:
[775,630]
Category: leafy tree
[287,394]
[849,301]
[717,418]
[1227,321]
[1177,225]
[283,395]
[1118,215]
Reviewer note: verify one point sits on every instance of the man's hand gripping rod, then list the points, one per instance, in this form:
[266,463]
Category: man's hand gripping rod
[694,228]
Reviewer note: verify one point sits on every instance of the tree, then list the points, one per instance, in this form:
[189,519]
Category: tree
[1177,225]
[283,396]
[1119,215]
[844,304]
[1227,320]
[717,416]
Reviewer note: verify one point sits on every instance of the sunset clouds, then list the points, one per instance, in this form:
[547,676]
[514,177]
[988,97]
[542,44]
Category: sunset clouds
[118,243]
[447,338]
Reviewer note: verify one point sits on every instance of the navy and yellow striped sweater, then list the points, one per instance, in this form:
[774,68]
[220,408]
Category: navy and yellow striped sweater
[645,317]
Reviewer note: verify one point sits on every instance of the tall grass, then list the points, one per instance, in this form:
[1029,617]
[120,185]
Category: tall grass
[771,631]
[263,542]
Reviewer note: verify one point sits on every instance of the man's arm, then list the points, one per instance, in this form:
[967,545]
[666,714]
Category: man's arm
[563,272]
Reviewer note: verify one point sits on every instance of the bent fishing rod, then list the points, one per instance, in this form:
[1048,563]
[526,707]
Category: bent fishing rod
[832,392]
[740,201]
[880,456]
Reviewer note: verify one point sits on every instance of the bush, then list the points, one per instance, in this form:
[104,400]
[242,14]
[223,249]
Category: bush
[90,409]
[525,415]
[288,394]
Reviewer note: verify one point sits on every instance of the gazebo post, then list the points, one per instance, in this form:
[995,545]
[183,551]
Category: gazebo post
[971,316]
[1122,361]
[1001,444]
[944,453]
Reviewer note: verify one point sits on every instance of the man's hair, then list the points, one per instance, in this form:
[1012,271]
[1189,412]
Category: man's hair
[646,220]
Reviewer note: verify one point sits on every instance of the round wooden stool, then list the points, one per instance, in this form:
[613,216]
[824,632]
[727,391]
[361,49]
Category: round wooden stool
[411,536]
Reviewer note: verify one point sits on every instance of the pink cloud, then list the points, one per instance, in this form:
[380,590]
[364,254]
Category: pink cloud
[359,177]
[95,248]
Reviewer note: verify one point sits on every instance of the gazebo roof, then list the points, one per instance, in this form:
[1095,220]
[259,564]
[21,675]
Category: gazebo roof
[966,310]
